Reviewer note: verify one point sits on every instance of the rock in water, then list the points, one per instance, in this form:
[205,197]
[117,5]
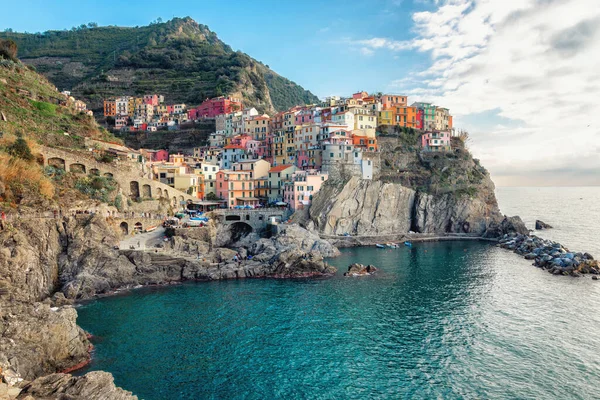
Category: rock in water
[539,225]
[360,270]
[95,385]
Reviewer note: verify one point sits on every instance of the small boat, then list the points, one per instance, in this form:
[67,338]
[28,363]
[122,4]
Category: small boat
[151,229]
[380,246]
[407,243]
[392,245]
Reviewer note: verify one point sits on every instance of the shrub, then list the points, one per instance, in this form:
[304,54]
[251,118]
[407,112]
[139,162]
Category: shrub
[118,203]
[20,149]
[8,50]
[211,197]
[96,187]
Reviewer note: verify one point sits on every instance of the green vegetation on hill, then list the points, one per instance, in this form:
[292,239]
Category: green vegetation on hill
[181,59]
[33,112]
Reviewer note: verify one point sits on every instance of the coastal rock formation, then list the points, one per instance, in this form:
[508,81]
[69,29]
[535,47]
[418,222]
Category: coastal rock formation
[374,208]
[95,385]
[360,270]
[509,225]
[539,225]
[550,256]
[363,207]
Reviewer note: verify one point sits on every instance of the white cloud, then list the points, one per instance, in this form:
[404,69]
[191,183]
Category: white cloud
[534,61]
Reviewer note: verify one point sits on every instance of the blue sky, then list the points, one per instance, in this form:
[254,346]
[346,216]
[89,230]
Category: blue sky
[520,75]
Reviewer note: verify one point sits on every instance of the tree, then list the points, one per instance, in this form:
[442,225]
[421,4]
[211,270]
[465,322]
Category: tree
[211,197]
[92,25]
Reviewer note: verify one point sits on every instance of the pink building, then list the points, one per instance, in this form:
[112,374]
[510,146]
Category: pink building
[210,108]
[241,140]
[151,99]
[193,114]
[161,155]
[436,141]
[360,95]
[236,187]
[305,117]
[299,192]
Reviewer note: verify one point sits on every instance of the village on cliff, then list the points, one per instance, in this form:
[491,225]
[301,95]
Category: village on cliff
[253,160]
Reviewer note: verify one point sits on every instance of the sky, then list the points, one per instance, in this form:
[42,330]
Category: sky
[521,76]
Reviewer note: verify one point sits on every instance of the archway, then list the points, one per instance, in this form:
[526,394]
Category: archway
[108,175]
[124,228]
[138,227]
[134,190]
[146,192]
[77,168]
[174,201]
[95,171]
[239,230]
[57,163]
[160,193]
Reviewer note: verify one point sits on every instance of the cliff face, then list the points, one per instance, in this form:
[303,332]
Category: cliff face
[424,193]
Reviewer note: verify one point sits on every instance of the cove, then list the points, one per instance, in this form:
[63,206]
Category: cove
[439,320]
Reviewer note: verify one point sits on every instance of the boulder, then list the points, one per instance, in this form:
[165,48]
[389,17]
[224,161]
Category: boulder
[539,225]
[360,270]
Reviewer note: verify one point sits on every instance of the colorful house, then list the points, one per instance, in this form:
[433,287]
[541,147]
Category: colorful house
[232,153]
[210,108]
[277,176]
[258,127]
[299,191]
[428,109]
[436,141]
[236,188]
[390,101]
[386,117]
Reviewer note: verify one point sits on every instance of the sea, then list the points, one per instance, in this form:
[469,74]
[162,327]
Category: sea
[447,320]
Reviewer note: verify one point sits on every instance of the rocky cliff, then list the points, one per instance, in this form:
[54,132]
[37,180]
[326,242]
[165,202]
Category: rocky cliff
[46,263]
[424,193]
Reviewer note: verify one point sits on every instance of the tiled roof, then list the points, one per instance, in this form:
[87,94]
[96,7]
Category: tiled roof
[280,168]
[234,146]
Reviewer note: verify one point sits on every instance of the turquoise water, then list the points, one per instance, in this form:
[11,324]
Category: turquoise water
[441,320]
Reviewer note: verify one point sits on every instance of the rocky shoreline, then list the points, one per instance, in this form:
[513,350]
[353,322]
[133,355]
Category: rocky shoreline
[550,256]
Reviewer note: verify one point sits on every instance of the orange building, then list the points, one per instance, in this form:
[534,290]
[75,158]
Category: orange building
[450,122]
[405,116]
[110,108]
[390,101]
[365,142]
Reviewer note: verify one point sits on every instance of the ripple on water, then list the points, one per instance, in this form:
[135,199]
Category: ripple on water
[440,320]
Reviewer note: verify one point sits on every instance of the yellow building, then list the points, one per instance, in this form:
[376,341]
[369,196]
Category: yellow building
[257,127]
[386,117]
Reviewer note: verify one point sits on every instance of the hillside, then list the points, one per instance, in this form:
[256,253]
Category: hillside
[34,113]
[180,58]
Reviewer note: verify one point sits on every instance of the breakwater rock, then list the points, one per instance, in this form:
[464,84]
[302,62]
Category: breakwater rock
[550,256]
[539,225]
[360,270]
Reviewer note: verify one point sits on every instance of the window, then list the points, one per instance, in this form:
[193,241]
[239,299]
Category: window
[331,155]
[211,184]
[309,188]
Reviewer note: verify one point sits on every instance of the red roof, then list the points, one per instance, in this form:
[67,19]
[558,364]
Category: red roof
[280,168]
[234,146]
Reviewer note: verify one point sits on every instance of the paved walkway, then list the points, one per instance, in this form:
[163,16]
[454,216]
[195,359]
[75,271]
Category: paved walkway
[143,241]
